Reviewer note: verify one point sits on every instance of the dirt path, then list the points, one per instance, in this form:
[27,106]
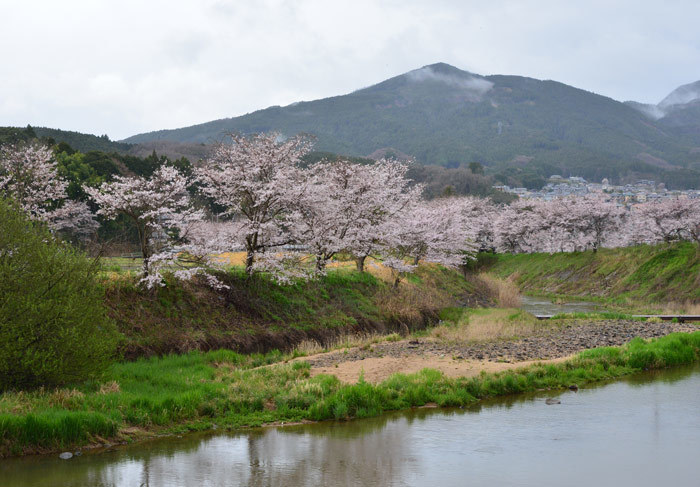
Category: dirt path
[379,361]
[378,369]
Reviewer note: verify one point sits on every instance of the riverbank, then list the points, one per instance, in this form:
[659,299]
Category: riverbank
[650,420]
[458,353]
[223,389]
[645,278]
[256,315]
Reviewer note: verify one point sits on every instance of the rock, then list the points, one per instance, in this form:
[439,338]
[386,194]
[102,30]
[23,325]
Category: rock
[66,455]
[551,400]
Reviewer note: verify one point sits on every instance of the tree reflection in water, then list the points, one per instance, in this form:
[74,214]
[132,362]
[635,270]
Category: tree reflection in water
[651,421]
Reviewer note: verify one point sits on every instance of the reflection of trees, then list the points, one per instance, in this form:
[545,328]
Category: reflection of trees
[366,452]
[371,451]
[376,451]
[667,376]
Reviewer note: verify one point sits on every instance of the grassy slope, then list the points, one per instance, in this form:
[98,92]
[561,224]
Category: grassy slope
[259,315]
[196,390]
[649,274]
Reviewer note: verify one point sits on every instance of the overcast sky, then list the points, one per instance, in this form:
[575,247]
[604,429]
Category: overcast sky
[125,67]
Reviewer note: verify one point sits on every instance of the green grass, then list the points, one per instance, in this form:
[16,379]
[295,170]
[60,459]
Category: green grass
[629,277]
[259,314]
[196,390]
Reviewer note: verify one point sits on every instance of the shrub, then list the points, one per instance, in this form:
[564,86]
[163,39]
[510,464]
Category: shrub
[53,326]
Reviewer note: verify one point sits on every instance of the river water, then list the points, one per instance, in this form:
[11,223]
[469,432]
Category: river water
[642,431]
[544,306]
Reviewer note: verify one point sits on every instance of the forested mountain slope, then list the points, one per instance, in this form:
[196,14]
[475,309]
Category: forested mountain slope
[442,115]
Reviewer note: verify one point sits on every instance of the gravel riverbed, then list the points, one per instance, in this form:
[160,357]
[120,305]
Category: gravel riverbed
[547,343]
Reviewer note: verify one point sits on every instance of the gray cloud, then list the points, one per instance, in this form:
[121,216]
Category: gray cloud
[479,86]
[652,111]
[130,66]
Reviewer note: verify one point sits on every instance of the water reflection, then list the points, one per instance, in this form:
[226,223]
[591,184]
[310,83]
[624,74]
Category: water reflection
[643,431]
[544,306]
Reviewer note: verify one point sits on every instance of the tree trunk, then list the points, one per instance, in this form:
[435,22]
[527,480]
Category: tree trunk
[320,263]
[145,249]
[249,256]
[251,245]
[360,263]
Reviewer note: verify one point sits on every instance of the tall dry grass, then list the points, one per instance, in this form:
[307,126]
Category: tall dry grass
[503,291]
[410,303]
[487,325]
[354,340]
[686,308]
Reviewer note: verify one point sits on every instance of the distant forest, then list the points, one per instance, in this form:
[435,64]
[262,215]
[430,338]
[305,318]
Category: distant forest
[82,163]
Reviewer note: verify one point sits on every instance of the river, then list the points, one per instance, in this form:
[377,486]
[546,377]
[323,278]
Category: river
[544,306]
[642,431]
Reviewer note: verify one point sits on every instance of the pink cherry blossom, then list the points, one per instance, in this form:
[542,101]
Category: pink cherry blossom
[257,180]
[29,175]
[171,231]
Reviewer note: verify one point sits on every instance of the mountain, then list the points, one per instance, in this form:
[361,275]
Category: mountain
[93,143]
[678,113]
[681,96]
[682,111]
[82,142]
[443,115]
[77,140]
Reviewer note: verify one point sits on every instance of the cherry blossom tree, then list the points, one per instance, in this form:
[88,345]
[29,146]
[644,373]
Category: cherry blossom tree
[170,229]
[561,225]
[518,227]
[479,216]
[330,206]
[692,221]
[432,231]
[600,222]
[670,220]
[285,266]
[344,204]
[257,180]
[388,195]
[28,174]
[73,218]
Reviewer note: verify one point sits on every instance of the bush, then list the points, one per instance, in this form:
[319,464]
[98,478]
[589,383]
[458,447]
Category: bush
[483,261]
[53,325]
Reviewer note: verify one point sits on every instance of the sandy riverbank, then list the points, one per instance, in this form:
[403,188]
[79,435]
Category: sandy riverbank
[467,359]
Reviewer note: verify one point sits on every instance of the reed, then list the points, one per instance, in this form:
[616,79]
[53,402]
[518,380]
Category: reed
[504,291]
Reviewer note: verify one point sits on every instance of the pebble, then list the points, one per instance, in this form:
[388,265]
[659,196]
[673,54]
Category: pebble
[548,343]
